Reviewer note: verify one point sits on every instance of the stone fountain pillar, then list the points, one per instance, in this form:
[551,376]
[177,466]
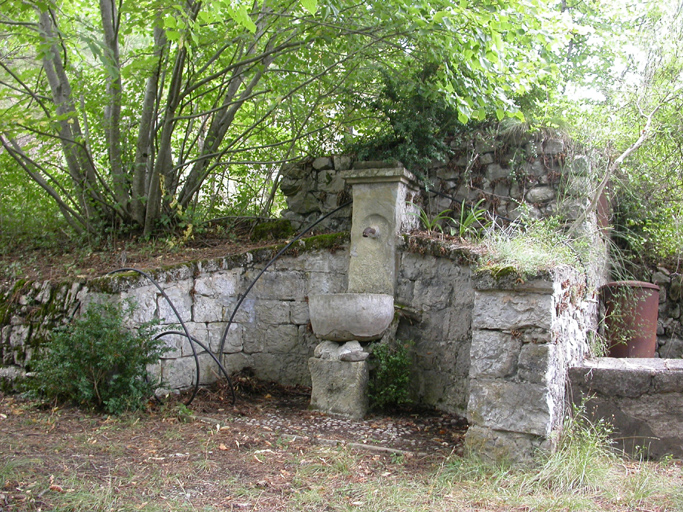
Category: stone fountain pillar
[339,372]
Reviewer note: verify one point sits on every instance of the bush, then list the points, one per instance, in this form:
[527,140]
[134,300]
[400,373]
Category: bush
[389,384]
[98,362]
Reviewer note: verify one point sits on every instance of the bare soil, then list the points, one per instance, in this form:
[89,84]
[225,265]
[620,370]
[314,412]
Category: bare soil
[168,455]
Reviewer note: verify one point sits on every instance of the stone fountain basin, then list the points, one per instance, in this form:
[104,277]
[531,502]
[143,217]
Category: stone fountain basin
[351,316]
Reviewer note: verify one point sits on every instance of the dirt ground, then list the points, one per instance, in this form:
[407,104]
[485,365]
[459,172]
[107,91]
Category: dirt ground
[173,454]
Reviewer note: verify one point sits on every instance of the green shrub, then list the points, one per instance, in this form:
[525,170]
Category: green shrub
[98,362]
[389,384]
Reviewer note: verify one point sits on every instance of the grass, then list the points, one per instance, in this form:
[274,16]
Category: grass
[529,248]
[136,465]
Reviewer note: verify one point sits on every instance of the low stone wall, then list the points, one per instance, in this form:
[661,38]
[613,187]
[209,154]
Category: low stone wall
[641,398]
[495,348]
[271,331]
[525,336]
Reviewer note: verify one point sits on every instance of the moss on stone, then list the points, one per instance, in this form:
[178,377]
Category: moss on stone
[275,230]
[329,241]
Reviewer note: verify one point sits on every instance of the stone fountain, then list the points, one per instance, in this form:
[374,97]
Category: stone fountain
[382,199]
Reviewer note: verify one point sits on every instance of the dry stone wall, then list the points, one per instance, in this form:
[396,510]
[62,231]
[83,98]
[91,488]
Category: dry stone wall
[542,174]
[670,321]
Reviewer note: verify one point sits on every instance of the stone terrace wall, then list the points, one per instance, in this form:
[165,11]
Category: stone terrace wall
[525,336]
[436,285]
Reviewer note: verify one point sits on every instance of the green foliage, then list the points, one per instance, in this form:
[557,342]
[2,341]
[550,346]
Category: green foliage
[471,219]
[122,111]
[418,118]
[96,361]
[389,384]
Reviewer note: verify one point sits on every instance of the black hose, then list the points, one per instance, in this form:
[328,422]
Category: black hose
[175,311]
[220,366]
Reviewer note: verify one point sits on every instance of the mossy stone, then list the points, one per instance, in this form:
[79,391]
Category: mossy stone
[275,230]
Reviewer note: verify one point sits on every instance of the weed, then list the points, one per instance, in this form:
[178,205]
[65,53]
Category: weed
[583,459]
[529,247]
[431,224]
[389,384]
[471,220]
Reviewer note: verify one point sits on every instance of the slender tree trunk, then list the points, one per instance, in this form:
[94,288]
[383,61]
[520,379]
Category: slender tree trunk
[142,167]
[112,112]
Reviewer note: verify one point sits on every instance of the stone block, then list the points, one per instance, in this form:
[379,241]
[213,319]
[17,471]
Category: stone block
[145,302]
[339,387]
[279,339]
[206,309]
[298,313]
[351,351]
[503,310]
[330,181]
[611,380]
[429,294]
[504,447]
[233,339]
[510,406]
[178,373]
[459,322]
[493,354]
[219,284]
[536,168]
[303,202]
[322,163]
[18,335]
[272,312]
[553,147]
[496,172]
[236,362]
[285,285]
[325,283]
[534,363]
[540,195]
[341,162]
[179,295]
[327,350]
[673,349]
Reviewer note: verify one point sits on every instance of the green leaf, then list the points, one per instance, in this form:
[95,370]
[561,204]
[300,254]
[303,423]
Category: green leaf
[500,114]
[439,16]
[310,5]
[241,17]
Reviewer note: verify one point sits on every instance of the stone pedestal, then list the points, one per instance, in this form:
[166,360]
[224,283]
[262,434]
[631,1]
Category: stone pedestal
[339,387]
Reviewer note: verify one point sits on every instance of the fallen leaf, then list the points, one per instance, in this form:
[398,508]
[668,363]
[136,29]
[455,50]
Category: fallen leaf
[223,447]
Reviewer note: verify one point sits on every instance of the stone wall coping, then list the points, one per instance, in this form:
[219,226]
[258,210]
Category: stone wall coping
[634,364]
[630,378]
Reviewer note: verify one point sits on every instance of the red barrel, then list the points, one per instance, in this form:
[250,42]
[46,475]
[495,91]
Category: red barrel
[631,309]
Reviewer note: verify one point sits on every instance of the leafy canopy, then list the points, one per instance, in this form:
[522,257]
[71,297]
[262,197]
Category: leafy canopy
[156,114]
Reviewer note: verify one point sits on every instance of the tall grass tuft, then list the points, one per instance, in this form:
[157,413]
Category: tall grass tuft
[583,460]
